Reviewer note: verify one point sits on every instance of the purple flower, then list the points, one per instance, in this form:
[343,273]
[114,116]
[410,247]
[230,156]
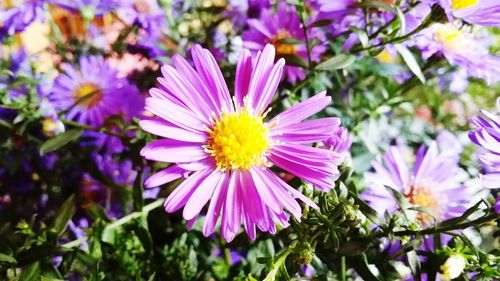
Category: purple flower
[146,13]
[88,8]
[487,135]
[92,93]
[339,142]
[120,173]
[225,148]
[481,12]
[497,205]
[462,49]
[432,183]
[276,29]
[14,19]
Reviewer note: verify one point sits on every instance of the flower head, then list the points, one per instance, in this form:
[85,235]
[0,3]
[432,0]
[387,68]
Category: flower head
[461,48]
[432,183]
[88,8]
[225,146]
[146,13]
[91,93]
[340,141]
[487,135]
[15,18]
[283,30]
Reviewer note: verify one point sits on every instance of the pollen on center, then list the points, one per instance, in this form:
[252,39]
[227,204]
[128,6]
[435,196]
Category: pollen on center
[238,140]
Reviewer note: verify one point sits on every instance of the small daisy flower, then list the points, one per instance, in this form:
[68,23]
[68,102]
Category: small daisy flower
[146,13]
[91,93]
[433,183]
[276,28]
[225,146]
[461,48]
[15,16]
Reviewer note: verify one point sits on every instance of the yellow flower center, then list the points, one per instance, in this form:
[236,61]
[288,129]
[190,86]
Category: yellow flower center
[386,57]
[423,196]
[283,48]
[450,37]
[461,4]
[88,95]
[238,140]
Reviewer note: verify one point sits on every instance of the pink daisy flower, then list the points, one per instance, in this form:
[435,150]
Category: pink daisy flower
[225,147]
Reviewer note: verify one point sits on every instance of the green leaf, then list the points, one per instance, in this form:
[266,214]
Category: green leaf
[410,61]
[402,202]
[60,140]
[464,216]
[137,192]
[402,19]
[321,23]
[31,273]
[7,258]
[362,36]
[374,4]
[64,214]
[368,211]
[360,264]
[152,277]
[337,62]
[36,253]
[295,61]
[289,41]
[414,262]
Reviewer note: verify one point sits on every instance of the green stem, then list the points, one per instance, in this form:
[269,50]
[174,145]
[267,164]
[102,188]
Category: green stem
[342,269]
[89,128]
[433,230]
[306,37]
[148,208]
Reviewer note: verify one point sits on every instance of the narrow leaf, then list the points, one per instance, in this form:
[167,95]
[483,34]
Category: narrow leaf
[60,140]
[337,62]
[410,61]
[64,214]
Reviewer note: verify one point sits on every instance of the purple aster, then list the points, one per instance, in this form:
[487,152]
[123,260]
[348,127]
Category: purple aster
[91,93]
[487,135]
[120,173]
[432,183]
[275,28]
[497,205]
[88,8]
[462,49]
[481,12]
[225,148]
[146,13]
[16,18]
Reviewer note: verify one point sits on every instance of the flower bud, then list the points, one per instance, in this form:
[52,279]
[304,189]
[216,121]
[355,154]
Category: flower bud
[453,267]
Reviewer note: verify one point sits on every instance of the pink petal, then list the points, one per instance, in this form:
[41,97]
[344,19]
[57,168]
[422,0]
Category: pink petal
[174,114]
[265,192]
[271,83]
[201,195]
[243,77]
[165,129]
[167,150]
[211,75]
[164,176]
[307,131]
[180,195]
[301,111]
[218,197]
